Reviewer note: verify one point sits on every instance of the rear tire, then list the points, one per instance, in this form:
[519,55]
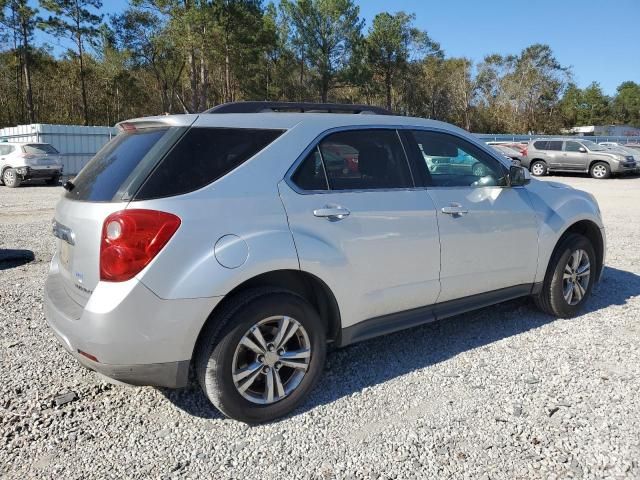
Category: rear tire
[555,297]
[538,168]
[10,178]
[224,349]
[600,170]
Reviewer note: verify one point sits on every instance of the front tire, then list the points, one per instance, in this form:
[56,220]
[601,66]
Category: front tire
[261,356]
[11,178]
[569,278]
[538,168]
[600,170]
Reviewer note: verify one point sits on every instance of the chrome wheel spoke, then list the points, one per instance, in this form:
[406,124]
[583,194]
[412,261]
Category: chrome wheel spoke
[283,325]
[268,392]
[568,293]
[242,387]
[278,383]
[584,270]
[251,345]
[580,290]
[245,372]
[296,355]
[294,364]
[257,334]
[291,330]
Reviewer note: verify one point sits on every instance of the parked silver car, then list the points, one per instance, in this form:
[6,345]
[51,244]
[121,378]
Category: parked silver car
[226,242]
[29,161]
[576,155]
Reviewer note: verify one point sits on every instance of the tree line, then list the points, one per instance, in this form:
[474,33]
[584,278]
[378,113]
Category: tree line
[184,56]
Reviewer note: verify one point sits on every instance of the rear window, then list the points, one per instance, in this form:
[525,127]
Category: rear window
[104,175]
[202,156]
[39,149]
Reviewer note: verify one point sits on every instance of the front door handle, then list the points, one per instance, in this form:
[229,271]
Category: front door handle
[455,209]
[332,213]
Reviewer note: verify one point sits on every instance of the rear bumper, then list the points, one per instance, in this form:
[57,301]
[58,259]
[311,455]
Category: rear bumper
[132,335]
[28,173]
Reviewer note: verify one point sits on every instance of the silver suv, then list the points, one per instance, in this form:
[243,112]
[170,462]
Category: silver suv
[29,161]
[244,244]
[576,155]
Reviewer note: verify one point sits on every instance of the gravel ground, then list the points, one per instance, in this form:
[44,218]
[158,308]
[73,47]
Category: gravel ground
[505,392]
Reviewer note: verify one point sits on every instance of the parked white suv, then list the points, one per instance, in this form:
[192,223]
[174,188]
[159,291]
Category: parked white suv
[243,244]
[29,161]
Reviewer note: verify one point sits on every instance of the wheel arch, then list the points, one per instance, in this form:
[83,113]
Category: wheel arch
[599,160]
[302,283]
[592,232]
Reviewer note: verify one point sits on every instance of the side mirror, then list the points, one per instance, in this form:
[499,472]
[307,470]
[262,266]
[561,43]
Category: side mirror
[582,150]
[518,176]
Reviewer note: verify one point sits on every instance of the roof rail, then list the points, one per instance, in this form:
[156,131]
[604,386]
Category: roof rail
[292,107]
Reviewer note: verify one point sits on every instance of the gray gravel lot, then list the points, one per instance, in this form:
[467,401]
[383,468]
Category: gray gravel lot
[505,392]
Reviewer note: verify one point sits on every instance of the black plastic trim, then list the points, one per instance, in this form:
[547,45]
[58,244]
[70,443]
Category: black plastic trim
[395,322]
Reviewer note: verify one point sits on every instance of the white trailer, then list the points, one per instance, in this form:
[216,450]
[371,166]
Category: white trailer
[77,144]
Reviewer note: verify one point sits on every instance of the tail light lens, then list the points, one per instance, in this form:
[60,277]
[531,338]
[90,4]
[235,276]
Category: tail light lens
[524,152]
[131,239]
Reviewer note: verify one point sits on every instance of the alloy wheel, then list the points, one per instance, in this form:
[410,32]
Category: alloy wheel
[271,360]
[575,279]
[599,171]
[537,169]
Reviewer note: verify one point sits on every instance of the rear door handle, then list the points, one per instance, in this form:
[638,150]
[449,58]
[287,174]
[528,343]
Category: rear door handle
[332,213]
[455,209]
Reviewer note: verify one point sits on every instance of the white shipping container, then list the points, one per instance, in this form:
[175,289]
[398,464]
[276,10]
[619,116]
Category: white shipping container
[77,144]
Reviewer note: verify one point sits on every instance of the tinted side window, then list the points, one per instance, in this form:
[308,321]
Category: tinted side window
[554,145]
[310,174]
[365,160]
[540,145]
[450,161]
[202,156]
[102,177]
[572,146]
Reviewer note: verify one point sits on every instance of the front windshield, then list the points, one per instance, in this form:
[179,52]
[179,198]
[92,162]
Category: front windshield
[593,146]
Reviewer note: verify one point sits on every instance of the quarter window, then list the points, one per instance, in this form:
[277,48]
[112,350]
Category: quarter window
[450,161]
[310,175]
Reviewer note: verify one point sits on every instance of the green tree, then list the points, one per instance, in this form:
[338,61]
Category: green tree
[327,32]
[626,105]
[18,17]
[74,20]
[595,108]
[390,43]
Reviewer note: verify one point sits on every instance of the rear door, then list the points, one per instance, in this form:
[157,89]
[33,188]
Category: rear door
[488,231]
[554,155]
[362,227]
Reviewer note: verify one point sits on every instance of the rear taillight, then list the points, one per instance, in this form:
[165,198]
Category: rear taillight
[131,239]
[524,152]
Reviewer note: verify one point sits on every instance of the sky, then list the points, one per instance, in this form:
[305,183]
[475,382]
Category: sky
[598,39]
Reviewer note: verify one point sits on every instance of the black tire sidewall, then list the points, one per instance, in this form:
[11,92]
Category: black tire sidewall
[219,385]
[559,304]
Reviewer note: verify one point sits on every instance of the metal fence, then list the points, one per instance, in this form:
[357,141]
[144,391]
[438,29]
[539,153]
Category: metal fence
[491,137]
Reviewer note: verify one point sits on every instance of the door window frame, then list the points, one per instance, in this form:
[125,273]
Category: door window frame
[315,144]
[420,165]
